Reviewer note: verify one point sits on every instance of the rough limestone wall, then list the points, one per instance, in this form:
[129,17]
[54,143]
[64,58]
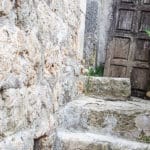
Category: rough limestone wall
[98,20]
[41,45]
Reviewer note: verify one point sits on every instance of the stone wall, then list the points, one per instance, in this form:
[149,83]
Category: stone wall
[98,20]
[41,44]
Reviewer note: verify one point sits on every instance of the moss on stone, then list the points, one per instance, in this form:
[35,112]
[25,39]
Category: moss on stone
[144,138]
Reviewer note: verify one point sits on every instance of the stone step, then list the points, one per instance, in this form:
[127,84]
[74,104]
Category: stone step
[108,88]
[125,119]
[89,141]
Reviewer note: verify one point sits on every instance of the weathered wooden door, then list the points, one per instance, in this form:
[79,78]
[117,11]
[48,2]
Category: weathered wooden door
[128,51]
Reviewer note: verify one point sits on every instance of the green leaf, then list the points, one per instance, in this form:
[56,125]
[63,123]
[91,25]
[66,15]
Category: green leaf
[148,32]
[97,71]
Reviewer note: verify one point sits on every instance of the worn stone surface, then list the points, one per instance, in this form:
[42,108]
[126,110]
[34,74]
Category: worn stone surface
[41,45]
[98,20]
[26,108]
[129,120]
[88,141]
[23,140]
[108,88]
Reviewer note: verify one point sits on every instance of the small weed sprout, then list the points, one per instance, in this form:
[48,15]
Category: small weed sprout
[148,32]
[97,71]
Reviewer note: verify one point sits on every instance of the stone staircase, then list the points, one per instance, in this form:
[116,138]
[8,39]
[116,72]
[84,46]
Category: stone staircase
[105,118]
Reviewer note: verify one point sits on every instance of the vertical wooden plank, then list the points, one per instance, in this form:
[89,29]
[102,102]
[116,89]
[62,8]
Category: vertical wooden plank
[142,50]
[121,47]
[118,71]
[139,77]
[145,21]
[125,19]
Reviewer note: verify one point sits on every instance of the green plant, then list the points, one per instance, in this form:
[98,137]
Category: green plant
[145,139]
[97,71]
[148,32]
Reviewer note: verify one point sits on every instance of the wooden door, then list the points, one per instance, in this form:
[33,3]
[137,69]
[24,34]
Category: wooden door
[128,51]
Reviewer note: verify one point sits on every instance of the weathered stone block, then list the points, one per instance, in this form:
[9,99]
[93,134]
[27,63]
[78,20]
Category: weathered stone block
[107,88]
[88,141]
[26,108]
[130,119]
[20,141]
[41,46]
